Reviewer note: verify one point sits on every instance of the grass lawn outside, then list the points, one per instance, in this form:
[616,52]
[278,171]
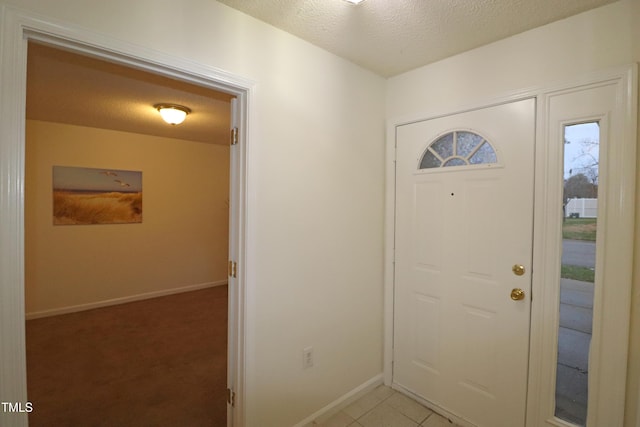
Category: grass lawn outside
[579,229]
[584,274]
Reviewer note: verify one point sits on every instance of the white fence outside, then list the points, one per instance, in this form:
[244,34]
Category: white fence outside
[583,208]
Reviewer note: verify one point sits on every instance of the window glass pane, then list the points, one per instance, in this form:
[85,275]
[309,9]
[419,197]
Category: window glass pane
[466,142]
[579,224]
[468,148]
[429,160]
[455,162]
[485,154]
[444,146]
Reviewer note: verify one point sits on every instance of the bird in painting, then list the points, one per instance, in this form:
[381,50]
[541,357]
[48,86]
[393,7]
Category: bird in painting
[122,183]
[109,173]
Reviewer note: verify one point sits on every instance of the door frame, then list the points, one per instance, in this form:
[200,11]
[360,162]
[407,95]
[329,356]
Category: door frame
[18,28]
[614,314]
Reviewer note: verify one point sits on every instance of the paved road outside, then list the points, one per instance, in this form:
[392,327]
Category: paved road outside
[574,338]
[579,252]
[574,335]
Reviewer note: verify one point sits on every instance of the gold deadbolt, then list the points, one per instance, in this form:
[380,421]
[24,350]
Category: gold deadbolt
[517,294]
[518,269]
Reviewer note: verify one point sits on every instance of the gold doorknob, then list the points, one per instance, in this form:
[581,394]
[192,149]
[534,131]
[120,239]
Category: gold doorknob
[518,269]
[517,294]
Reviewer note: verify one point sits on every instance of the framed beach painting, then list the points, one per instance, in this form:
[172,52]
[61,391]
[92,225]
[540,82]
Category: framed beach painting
[96,196]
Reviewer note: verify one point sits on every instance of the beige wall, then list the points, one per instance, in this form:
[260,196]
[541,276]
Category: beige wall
[633,386]
[315,197]
[603,38]
[316,170]
[182,240]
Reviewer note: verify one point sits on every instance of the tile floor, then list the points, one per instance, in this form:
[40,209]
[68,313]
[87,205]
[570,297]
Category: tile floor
[384,407]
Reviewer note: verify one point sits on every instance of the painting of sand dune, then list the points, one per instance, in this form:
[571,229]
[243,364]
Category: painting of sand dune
[96,196]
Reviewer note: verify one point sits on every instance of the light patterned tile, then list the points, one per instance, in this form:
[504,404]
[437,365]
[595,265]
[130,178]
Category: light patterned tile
[385,415]
[436,420]
[383,392]
[409,407]
[362,405]
[340,419]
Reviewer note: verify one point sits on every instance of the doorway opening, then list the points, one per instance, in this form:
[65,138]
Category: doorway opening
[21,29]
[75,262]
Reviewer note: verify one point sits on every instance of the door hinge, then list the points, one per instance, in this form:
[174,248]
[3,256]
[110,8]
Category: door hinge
[234,136]
[231,397]
[233,267]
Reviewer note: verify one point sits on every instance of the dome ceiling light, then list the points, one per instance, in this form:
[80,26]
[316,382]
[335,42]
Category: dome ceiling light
[172,113]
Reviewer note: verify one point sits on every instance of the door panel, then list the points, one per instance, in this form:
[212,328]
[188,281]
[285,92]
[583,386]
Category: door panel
[460,341]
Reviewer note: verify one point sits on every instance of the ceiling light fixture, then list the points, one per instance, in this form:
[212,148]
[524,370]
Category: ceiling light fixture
[355,1]
[172,113]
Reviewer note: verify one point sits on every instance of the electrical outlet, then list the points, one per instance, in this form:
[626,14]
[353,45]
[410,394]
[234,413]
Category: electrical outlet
[307,357]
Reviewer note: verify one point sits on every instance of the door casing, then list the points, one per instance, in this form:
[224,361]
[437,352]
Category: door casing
[18,28]
[610,366]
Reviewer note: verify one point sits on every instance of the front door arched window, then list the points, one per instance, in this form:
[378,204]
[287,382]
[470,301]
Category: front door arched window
[458,148]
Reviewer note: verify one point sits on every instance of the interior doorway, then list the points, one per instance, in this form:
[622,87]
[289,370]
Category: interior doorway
[23,28]
[83,111]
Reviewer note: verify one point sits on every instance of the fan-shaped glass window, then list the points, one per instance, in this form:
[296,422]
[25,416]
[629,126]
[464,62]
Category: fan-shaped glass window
[459,148]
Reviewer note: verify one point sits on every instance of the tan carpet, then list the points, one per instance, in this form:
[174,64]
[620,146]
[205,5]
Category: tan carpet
[159,362]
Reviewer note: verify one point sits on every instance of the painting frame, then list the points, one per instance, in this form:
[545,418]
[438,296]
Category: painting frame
[90,196]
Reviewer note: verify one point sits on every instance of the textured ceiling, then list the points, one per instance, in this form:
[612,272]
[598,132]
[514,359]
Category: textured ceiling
[68,88]
[393,36]
[386,36]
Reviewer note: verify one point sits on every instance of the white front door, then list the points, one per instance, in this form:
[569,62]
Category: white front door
[464,218]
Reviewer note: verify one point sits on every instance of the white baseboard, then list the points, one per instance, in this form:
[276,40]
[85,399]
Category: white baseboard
[342,402]
[122,300]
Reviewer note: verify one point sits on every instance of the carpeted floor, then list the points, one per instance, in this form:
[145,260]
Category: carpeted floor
[158,362]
